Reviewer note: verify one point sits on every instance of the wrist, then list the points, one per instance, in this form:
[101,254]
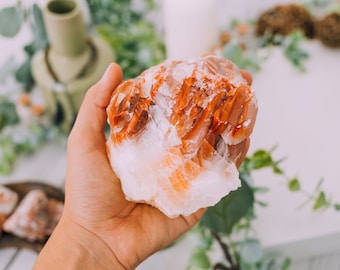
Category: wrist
[73,247]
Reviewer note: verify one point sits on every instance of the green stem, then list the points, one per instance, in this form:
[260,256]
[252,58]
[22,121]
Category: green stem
[225,249]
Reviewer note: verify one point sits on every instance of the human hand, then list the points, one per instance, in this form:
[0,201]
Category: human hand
[99,228]
[109,231]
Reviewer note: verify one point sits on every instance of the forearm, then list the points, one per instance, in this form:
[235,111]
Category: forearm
[70,248]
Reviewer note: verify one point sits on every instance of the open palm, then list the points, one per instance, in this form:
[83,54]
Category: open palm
[94,198]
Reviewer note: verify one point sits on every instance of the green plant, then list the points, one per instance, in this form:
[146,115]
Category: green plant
[244,59]
[229,224]
[134,39]
[249,51]
[18,15]
[17,138]
[291,45]
[8,113]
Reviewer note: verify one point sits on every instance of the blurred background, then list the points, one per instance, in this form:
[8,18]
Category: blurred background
[288,216]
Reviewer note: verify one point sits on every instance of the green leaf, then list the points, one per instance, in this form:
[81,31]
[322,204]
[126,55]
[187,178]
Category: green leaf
[29,49]
[336,207]
[286,264]
[251,251]
[294,185]
[206,242]
[40,35]
[6,69]
[240,57]
[320,201]
[233,52]
[261,159]
[7,155]
[24,73]
[246,176]
[8,114]
[277,169]
[261,189]
[224,215]
[199,259]
[293,51]
[262,203]
[10,21]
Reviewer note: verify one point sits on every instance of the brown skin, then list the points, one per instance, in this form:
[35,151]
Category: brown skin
[99,228]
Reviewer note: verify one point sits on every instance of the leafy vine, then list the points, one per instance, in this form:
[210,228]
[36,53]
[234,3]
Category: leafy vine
[229,224]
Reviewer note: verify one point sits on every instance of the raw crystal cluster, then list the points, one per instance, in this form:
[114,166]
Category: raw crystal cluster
[178,132]
[8,201]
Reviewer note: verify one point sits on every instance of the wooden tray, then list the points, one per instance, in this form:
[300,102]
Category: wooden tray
[8,240]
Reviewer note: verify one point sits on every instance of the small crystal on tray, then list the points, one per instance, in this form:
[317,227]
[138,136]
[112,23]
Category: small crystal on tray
[8,201]
[29,220]
[35,217]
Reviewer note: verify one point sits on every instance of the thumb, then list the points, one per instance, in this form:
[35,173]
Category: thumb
[91,118]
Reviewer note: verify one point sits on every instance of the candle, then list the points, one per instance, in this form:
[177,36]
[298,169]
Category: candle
[190,27]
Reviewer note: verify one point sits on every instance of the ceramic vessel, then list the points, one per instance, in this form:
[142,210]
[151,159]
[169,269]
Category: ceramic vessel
[73,62]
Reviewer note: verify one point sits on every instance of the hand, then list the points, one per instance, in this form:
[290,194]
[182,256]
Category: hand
[99,228]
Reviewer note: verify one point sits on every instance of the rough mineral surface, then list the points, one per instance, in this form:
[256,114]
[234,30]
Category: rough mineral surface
[178,130]
[29,219]
[8,201]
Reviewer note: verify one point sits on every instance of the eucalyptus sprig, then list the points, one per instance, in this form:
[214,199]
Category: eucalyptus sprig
[12,14]
[12,19]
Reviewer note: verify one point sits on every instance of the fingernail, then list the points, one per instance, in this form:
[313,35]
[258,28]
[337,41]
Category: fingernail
[107,72]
